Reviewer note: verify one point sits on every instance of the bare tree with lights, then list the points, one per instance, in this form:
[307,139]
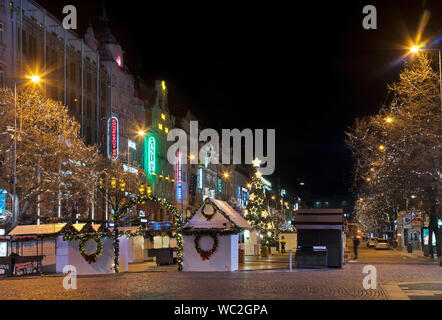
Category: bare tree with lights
[51,157]
[397,152]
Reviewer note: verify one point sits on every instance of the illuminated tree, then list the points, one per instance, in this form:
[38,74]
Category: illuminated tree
[51,157]
[398,151]
[257,212]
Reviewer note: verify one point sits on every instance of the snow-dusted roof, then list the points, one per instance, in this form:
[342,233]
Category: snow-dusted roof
[34,229]
[220,219]
[47,229]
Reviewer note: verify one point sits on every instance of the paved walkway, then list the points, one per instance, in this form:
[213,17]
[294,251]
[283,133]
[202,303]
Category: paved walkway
[259,278]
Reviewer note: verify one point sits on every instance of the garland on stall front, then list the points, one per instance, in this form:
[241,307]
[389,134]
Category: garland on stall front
[203,210]
[205,254]
[177,221]
[94,256]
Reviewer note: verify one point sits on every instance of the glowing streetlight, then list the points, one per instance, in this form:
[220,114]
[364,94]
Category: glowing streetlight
[141,133]
[35,78]
[388,120]
[381,147]
[226,175]
[414,49]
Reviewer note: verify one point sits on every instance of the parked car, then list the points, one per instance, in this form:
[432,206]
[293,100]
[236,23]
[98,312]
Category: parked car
[382,244]
[371,242]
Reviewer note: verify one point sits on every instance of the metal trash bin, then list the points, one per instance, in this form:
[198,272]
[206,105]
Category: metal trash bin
[311,257]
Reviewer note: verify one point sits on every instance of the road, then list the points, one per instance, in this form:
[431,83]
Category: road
[412,277]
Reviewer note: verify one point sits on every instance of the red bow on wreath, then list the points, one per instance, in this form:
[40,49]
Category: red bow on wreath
[90,258]
[205,255]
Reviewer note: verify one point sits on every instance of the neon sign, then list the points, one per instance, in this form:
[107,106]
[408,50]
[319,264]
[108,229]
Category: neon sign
[113,138]
[179,176]
[200,177]
[151,155]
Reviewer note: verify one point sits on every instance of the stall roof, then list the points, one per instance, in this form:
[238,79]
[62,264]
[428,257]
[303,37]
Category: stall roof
[42,229]
[47,229]
[225,218]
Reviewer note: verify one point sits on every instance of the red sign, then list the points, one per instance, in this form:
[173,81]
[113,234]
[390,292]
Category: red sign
[113,138]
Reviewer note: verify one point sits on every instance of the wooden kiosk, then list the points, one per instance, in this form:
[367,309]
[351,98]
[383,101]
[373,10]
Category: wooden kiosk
[211,237]
[320,238]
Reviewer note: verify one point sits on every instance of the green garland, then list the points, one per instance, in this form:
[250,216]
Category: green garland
[94,256]
[205,255]
[208,216]
[177,221]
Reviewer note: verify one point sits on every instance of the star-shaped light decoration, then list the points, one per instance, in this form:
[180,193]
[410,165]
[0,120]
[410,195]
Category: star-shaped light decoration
[252,196]
[258,174]
[256,162]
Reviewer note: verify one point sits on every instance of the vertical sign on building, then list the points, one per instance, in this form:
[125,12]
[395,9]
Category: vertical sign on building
[113,138]
[200,177]
[151,146]
[179,176]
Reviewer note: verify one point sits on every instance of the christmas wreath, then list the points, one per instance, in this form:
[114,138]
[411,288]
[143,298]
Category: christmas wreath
[205,255]
[208,215]
[90,257]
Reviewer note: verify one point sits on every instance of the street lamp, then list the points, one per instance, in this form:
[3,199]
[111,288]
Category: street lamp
[34,79]
[415,49]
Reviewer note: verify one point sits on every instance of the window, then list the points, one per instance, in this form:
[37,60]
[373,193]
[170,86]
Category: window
[72,71]
[2,33]
[160,126]
[2,76]
[88,108]
[163,116]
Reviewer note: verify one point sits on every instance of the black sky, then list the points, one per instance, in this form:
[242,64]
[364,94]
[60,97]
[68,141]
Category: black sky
[305,69]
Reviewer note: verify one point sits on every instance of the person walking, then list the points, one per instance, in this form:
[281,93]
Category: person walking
[282,241]
[355,246]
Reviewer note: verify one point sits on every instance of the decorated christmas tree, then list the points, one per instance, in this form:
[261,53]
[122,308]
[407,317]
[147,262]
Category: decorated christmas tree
[257,211]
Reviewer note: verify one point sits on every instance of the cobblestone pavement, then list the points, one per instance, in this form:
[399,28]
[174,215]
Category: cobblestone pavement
[332,284]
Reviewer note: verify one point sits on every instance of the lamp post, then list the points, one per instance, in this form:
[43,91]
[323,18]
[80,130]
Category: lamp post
[34,79]
[415,50]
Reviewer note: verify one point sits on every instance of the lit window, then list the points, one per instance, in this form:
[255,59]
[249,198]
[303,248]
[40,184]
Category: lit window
[166,130]
[160,126]
[163,116]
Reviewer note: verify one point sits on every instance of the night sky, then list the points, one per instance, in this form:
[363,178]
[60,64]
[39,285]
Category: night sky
[306,70]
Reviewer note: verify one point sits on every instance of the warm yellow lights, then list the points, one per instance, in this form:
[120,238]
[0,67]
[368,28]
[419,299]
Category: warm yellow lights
[160,126]
[249,186]
[163,116]
[368,179]
[163,84]
[389,120]
[414,49]
[166,130]
[141,133]
[226,175]
[381,147]
[273,197]
[35,79]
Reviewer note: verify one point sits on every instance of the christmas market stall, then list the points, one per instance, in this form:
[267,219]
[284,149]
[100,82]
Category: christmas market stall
[135,243]
[93,250]
[33,247]
[211,237]
[320,238]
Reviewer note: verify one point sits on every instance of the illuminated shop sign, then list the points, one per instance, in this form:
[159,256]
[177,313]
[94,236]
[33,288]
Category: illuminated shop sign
[200,177]
[132,144]
[220,186]
[113,138]
[151,155]
[179,176]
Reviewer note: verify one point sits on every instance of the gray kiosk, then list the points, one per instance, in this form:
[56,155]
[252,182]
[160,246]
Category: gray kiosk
[321,238]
